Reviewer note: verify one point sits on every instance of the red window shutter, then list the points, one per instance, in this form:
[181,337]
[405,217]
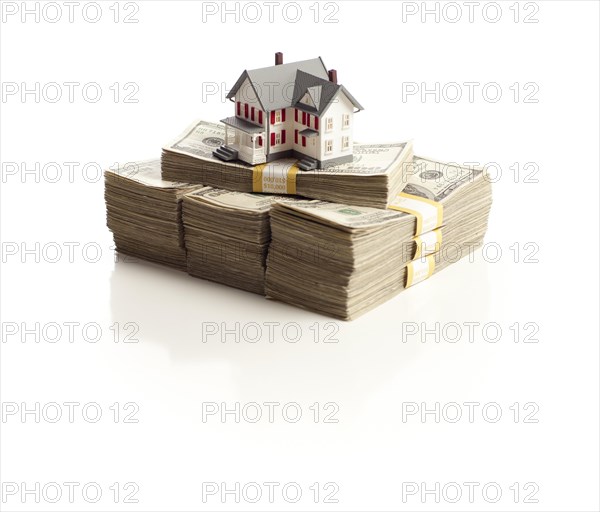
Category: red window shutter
[272,117]
[303,141]
[283,115]
[260,141]
[260,116]
[316,123]
[272,139]
[252,113]
[296,135]
[246,110]
[283,136]
[239,108]
[308,120]
[304,118]
[296,114]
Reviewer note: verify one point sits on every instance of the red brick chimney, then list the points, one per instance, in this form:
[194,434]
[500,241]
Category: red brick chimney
[332,75]
[278,58]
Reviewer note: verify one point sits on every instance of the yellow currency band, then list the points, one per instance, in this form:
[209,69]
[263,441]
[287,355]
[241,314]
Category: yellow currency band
[424,200]
[424,239]
[411,278]
[438,212]
[257,173]
[290,179]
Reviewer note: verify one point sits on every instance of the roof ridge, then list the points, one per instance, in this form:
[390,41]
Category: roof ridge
[289,64]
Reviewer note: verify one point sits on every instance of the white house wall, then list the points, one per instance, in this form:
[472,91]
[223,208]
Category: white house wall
[246,95]
[337,108]
[286,125]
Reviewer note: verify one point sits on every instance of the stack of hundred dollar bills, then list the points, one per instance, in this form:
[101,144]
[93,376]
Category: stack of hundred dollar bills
[377,173]
[343,260]
[227,236]
[144,213]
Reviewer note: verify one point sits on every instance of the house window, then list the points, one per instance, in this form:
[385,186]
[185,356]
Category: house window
[260,141]
[252,113]
[260,118]
[329,123]
[278,116]
[345,142]
[329,146]
[346,120]
[277,139]
[303,141]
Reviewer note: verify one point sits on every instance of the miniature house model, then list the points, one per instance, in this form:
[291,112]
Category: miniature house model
[290,110]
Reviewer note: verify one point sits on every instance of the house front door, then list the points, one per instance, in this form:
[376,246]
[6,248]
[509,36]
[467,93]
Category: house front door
[312,145]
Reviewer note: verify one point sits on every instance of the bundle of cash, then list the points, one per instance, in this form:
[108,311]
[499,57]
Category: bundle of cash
[144,213]
[377,173]
[227,235]
[343,260]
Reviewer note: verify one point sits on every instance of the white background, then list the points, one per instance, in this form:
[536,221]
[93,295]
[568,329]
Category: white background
[376,367]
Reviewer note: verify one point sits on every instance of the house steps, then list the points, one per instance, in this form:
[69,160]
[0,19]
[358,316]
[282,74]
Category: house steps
[307,164]
[225,153]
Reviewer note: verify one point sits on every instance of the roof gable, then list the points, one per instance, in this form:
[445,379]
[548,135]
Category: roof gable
[315,93]
[307,100]
[327,91]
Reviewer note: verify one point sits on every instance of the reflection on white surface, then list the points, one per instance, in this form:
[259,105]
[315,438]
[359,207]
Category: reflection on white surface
[188,318]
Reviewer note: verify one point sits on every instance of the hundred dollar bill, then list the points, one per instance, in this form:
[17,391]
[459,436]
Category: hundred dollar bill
[147,173]
[375,175]
[236,200]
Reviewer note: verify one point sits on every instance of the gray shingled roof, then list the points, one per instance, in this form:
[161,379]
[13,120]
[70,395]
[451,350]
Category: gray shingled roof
[283,86]
[275,85]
